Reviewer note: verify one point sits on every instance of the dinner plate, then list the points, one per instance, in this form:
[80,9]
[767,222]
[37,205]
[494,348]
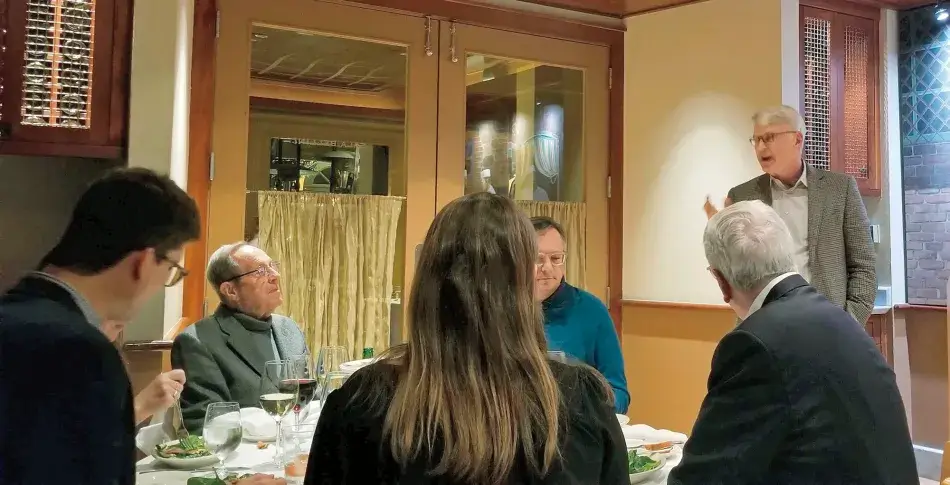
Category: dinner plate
[166,477]
[255,438]
[649,474]
[193,463]
[355,365]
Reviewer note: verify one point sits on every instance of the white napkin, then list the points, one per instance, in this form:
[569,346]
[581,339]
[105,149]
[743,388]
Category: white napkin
[647,434]
[149,437]
[355,365]
[311,413]
[257,423]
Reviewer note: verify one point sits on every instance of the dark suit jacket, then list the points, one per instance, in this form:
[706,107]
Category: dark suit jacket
[841,256]
[66,410]
[350,447]
[223,364]
[799,395]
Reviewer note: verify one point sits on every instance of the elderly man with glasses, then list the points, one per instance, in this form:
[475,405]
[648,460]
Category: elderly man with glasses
[823,210]
[223,355]
[575,322]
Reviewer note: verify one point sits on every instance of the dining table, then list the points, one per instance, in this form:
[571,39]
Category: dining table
[248,458]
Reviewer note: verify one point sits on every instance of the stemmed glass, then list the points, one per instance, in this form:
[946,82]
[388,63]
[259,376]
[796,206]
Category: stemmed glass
[222,429]
[307,382]
[279,390]
[328,361]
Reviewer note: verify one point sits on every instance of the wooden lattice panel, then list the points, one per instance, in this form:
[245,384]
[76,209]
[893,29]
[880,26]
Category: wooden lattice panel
[856,85]
[816,39]
[58,62]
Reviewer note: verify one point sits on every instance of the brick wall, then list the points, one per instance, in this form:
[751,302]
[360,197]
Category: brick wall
[927,221]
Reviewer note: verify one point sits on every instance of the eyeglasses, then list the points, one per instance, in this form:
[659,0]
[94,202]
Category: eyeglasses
[272,267]
[556,259]
[768,138]
[176,273]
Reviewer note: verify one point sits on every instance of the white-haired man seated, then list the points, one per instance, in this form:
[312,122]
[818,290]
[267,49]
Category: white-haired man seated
[797,394]
[824,212]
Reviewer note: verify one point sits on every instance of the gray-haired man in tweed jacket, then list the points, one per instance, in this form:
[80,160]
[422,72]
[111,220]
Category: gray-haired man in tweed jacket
[823,210]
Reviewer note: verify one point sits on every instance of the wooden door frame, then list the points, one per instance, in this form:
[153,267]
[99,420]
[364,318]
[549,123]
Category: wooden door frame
[201,120]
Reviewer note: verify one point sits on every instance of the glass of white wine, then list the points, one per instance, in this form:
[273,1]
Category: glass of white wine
[330,382]
[222,429]
[279,390]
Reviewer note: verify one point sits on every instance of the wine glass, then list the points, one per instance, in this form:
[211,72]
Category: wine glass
[278,391]
[331,382]
[306,381]
[222,429]
[330,358]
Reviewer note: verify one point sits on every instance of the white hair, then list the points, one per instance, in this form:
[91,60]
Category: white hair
[222,266]
[780,115]
[749,244]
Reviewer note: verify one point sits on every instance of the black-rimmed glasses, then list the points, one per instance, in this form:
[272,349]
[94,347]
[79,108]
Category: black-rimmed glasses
[176,273]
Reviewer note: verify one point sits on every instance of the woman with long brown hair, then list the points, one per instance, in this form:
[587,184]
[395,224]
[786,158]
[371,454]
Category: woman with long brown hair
[471,398]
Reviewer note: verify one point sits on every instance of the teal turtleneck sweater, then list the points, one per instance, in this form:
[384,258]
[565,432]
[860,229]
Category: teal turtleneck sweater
[578,324]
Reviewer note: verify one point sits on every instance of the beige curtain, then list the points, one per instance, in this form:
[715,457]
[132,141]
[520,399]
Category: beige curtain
[572,216]
[336,254]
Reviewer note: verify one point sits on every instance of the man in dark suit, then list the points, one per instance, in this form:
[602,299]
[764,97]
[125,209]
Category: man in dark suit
[66,409]
[797,394]
[223,355]
[824,212]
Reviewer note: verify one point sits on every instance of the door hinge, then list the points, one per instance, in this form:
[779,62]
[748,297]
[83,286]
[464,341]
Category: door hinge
[610,78]
[204,308]
[211,168]
[608,186]
[217,24]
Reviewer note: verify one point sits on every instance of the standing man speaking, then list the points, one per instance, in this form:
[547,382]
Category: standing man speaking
[823,211]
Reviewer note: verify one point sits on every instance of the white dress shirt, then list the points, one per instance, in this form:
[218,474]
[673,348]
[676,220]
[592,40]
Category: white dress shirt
[760,298]
[791,203]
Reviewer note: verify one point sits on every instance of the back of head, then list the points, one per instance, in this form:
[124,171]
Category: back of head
[126,210]
[749,244]
[475,382]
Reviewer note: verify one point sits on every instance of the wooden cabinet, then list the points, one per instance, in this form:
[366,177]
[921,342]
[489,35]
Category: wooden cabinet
[64,74]
[880,328]
[840,59]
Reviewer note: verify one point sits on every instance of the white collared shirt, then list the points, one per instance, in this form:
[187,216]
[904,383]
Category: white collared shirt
[760,298]
[791,203]
[84,306]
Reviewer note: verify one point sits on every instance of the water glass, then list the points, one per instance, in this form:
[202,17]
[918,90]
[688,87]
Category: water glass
[297,442]
[222,428]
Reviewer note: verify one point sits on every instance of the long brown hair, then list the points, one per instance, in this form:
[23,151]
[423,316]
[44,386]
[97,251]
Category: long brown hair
[474,381]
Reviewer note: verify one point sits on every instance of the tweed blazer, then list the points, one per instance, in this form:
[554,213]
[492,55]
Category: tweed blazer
[841,256]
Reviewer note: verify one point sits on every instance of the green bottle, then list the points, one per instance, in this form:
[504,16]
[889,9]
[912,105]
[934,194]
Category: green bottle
[367,352]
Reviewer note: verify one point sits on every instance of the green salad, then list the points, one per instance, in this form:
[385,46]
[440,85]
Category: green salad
[637,463]
[228,480]
[190,447]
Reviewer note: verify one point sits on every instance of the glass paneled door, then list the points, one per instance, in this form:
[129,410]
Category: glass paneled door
[526,117]
[319,109]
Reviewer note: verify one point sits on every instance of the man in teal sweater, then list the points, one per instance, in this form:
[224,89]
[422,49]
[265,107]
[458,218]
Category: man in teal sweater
[575,321]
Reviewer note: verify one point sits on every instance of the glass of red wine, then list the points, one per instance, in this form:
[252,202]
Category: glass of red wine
[306,381]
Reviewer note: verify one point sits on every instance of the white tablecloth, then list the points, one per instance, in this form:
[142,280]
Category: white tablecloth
[248,458]
[253,460]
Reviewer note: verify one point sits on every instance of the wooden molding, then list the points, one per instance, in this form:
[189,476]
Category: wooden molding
[676,305]
[866,10]
[909,306]
[201,124]
[147,346]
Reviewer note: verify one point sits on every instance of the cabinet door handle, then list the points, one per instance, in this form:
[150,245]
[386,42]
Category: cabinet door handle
[452,43]
[428,45]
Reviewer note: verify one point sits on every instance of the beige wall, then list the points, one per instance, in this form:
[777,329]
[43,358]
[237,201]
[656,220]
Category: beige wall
[37,196]
[694,76]
[158,122]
